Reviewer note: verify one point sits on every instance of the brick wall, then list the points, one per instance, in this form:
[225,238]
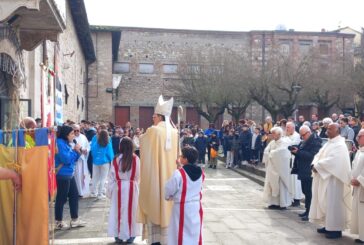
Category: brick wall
[100,75]
[165,46]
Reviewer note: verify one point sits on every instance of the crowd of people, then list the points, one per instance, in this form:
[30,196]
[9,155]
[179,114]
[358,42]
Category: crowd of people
[303,159]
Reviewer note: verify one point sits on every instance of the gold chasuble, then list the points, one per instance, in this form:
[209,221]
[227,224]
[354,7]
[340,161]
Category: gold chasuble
[32,201]
[157,166]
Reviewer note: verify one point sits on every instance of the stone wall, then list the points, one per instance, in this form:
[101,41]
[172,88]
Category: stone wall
[159,47]
[100,75]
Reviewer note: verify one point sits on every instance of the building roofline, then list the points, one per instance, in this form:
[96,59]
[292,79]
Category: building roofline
[126,28]
[346,27]
[80,20]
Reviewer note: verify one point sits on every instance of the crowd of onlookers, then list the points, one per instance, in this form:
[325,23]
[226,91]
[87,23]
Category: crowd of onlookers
[243,142]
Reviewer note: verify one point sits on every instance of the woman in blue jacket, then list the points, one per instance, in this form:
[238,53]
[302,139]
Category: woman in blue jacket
[66,159]
[102,155]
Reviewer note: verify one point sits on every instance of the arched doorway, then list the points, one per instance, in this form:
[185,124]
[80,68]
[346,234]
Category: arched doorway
[11,77]
[4,98]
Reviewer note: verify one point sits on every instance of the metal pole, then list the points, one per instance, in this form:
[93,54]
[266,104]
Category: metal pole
[15,192]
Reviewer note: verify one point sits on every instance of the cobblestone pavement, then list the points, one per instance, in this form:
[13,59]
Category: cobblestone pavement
[234,213]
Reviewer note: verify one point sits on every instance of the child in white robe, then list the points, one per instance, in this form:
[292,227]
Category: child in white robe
[123,191]
[185,189]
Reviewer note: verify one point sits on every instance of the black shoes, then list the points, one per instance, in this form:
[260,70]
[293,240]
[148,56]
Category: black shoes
[359,241]
[214,167]
[210,166]
[303,214]
[330,234]
[333,234]
[296,203]
[274,207]
[304,218]
[321,230]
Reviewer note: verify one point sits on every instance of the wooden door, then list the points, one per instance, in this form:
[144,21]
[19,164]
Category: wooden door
[122,115]
[145,117]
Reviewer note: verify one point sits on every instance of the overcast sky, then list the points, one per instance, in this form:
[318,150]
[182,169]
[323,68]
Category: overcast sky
[229,15]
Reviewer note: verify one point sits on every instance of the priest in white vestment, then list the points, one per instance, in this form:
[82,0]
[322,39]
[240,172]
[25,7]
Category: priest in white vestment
[295,139]
[82,175]
[277,186]
[331,191]
[357,181]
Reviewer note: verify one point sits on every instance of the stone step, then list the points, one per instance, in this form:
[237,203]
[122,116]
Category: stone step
[250,175]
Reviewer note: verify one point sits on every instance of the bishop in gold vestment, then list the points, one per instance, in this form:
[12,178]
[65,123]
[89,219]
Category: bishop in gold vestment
[158,154]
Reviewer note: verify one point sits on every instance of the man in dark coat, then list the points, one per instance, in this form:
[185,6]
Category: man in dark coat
[201,144]
[245,142]
[256,146]
[304,155]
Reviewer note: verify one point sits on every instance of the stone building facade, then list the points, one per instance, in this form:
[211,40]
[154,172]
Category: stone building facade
[55,66]
[100,78]
[147,60]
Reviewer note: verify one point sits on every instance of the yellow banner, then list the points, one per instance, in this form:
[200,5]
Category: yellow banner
[32,201]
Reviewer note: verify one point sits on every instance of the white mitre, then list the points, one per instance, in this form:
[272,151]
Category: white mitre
[165,108]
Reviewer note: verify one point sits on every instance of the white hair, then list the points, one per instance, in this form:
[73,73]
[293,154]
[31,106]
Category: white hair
[277,130]
[290,123]
[327,120]
[307,123]
[305,128]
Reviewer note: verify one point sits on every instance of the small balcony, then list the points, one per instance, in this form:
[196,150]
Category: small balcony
[36,20]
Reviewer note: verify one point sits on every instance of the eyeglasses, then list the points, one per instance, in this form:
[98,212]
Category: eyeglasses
[76,131]
[302,135]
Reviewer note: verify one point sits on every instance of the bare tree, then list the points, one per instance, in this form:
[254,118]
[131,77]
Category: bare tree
[201,82]
[276,85]
[237,77]
[330,77]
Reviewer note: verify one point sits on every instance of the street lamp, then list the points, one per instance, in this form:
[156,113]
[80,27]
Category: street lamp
[296,89]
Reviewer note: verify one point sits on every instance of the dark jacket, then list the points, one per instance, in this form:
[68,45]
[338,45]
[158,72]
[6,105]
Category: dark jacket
[258,143]
[323,132]
[115,141]
[200,144]
[228,142]
[90,133]
[356,130]
[214,143]
[235,144]
[245,139]
[188,141]
[304,156]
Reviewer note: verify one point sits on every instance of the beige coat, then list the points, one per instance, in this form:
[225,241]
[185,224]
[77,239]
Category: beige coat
[157,166]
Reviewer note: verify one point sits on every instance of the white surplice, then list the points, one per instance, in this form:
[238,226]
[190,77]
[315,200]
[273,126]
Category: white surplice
[295,139]
[191,230]
[331,191]
[82,175]
[357,216]
[122,218]
[277,185]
